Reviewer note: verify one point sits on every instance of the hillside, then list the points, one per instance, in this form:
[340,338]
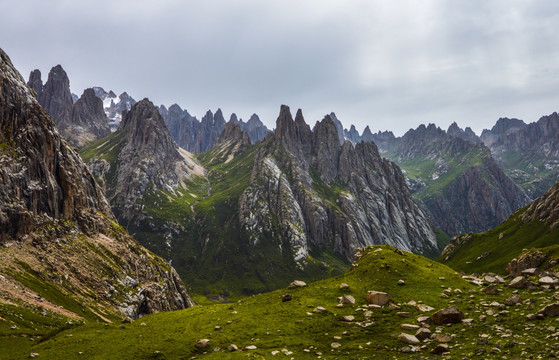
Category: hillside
[332,319]
[534,227]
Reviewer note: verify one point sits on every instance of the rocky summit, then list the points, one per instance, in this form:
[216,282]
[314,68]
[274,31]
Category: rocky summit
[64,258]
[79,123]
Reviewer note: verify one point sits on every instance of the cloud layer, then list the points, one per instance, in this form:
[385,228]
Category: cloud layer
[387,64]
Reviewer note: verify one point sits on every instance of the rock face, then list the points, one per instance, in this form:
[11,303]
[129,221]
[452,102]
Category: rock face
[467,135]
[545,208]
[146,156]
[503,126]
[79,123]
[255,129]
[457,181]
[321,193]
[52,214]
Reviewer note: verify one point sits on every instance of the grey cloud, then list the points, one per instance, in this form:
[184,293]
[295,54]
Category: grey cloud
[390,65]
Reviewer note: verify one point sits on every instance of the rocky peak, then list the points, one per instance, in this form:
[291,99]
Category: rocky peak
[35,82]
[233,134]
[352,134]
[468,134]
[545,208]
[326,145]
[339,127]
[296,135]
[87,121]
[234,118]
[56,97]
[367,135]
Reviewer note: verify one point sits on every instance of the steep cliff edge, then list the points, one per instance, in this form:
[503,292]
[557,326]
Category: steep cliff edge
[62,251]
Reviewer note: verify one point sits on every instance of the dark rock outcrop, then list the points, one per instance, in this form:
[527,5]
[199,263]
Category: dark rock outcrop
[52,209]
[56,97]
[467,135]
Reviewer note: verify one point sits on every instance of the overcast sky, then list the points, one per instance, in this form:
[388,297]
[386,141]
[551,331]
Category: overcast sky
[391,65]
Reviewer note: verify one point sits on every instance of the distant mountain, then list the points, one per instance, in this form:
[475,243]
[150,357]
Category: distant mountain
[247,217]
[199,136]
[64,257]
[529,154]
[467,135]
[80,121]
[457,181]
[114,106]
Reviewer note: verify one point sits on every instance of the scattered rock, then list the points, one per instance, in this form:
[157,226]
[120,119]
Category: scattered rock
[442,338]
[490,290]
[232,347]
[251,347]
[347,300]
[403,314]
[423,333]
[320,309]
[550,310]
[409,327]
[33,355]
[440,349]
[518,282]
[202,343]
[408,339]
[547,280]
[286,297]
[344,286]
[335,345]
[513,300]
[401,282]
[297,284]
[378,298]
[531,272]
[424,308]
[347,318]
[450,315]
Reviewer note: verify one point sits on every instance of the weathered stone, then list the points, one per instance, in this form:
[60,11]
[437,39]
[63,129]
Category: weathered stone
[409,327]
[551,310]
[378,298]
[347,318]
[297,284]
[286,297]
[347,300]
[450,315]
[320,309]
[408,339]
[513,300]
[202,343]
[251,347]
[423,333]
[232,347]
[547,280]
[518,282]
[344,286]
[441,349]
[442,337]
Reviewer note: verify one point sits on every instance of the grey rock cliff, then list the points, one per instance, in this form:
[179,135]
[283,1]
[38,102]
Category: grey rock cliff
[51,207]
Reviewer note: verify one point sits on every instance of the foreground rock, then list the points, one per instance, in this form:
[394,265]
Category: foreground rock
[378,298]
[450,315]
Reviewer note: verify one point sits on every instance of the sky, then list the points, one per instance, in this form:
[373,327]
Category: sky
[391,65]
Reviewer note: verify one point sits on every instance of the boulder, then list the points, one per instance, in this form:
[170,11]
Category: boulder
[202,343]
[547,280]
[286,297]
[408,339]
[378,298]
[423,333]
[347,300]
[550,310]
[450,315]
[518,282]
[297,284]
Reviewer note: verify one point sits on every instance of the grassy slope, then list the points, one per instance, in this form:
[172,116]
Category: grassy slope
[263,320]
[499,249]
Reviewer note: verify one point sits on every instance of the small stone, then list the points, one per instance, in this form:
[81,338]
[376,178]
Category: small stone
[531,272]
[202,343]
[335,345]
[320,309]
[408,339]
[403,314]
[251,347]
[424,308]
[424,319]
[440,349]
[442,338]
[126,320]
[344,286]
[550,310]
[450,315]
[378,298]
[518,282]
[401,282]
[143,324]
[217,327]
[297,284]
[423,333]
[347,300]
[232,347]
[347,318]
[547,280]
[286,297]
[33,355]
[513,300]
[409,327]
[275,352]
